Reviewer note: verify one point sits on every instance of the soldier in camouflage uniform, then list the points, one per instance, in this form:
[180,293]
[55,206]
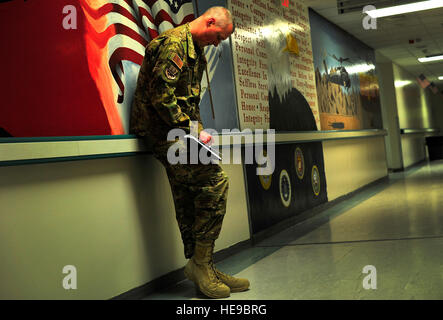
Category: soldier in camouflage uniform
[167,97]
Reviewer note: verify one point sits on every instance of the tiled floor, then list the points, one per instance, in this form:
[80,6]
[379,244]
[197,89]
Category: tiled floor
[396,227]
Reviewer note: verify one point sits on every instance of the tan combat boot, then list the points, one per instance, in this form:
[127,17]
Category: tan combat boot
[200,270]
[235,284]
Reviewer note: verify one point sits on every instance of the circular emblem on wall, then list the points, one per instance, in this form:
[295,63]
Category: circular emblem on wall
[285,188]
[299,163]
[265,180]
[315,179]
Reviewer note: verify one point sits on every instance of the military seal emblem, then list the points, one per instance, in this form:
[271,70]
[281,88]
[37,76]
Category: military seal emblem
[285,188]
[315,180]
[299,163]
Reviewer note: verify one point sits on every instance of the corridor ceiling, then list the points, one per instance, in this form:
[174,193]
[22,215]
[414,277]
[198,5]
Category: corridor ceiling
[393,35]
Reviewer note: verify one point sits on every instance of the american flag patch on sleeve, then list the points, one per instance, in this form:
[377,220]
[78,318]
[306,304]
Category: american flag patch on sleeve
[176,60]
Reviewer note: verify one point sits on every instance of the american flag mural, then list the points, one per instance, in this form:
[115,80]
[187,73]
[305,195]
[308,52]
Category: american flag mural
[117,32]
[80,81]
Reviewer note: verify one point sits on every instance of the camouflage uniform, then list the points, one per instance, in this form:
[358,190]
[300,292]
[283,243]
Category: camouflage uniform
[167,97]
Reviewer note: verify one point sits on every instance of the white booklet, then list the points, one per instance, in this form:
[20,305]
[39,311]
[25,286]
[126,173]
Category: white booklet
[213,152]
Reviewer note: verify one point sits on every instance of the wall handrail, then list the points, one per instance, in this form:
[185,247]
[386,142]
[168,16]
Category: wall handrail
[418,130]
[16,151]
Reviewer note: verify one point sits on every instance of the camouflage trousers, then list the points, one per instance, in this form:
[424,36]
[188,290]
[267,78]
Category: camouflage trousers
[200,194]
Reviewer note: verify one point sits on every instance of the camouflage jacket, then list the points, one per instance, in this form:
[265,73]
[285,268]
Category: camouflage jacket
[168,86]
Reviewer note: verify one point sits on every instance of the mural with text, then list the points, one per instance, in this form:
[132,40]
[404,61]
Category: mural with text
[275,82]
[273,66]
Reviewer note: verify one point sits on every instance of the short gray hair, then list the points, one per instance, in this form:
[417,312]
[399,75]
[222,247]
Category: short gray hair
[223,16]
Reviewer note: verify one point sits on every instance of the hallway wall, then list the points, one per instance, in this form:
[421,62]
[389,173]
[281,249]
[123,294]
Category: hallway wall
[436,103]
[415,111]
[352,164]
[389,112]
[113,219]
[405,106]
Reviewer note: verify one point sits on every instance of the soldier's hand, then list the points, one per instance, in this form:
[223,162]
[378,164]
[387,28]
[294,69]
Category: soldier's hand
[205,137]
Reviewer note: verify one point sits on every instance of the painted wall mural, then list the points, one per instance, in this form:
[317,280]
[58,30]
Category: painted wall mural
[275,82]
[75,74]
[297,184]
[116,34]
[273,66]
[47,89]
[346,79]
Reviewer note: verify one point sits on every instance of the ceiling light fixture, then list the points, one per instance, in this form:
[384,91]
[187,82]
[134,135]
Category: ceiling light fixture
[440,78]
[431,58]
[405,8]
[402,83]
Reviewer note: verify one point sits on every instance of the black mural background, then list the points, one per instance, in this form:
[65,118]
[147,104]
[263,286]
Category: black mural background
[293,114]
